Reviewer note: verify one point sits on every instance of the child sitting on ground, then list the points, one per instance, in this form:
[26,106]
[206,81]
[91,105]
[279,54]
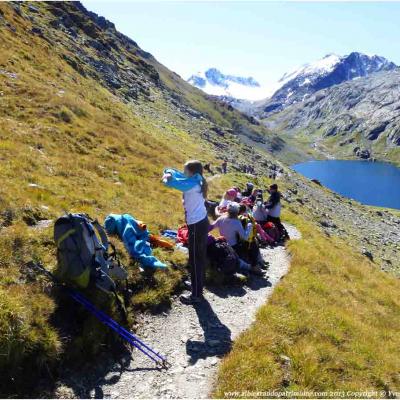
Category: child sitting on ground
[228,197]
[257,231]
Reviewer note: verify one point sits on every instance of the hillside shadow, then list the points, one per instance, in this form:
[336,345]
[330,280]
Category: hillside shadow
[90,380]
[217,336]
[105,361]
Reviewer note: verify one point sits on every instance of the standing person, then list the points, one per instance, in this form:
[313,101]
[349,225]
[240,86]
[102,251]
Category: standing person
[273,207]
[224,166]
[194,187]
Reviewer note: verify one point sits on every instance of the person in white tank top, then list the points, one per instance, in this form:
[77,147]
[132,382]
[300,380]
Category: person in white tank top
[194,188]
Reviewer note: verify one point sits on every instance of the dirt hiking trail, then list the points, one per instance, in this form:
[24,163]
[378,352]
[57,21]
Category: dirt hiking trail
[193,339]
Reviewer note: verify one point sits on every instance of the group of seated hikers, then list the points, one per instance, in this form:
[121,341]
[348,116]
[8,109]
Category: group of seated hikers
[245,222]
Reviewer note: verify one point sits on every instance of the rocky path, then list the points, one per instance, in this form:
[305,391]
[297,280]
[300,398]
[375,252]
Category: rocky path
[193,338]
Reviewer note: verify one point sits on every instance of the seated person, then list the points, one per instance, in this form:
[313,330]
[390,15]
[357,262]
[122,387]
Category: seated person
[232,230]
[239,195]
[249,190]
[229,197]
[249,201]
[207,168]
[260,212]
[273,205]
[247,217]
[270,211]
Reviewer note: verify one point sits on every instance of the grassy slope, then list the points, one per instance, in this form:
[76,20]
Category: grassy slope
[334,315]
[86,152]
[68,143]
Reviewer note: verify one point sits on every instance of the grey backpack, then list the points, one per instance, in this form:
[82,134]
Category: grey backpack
[82,253]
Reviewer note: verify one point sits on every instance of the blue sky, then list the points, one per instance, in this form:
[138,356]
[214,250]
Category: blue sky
[261,39]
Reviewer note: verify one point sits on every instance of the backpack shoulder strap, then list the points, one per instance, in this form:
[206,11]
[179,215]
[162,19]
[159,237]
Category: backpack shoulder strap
[102,233]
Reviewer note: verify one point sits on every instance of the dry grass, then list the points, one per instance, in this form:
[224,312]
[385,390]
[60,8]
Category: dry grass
[66,143]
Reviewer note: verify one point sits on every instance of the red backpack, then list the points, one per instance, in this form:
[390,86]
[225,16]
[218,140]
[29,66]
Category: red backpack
[183,235]
[271,229]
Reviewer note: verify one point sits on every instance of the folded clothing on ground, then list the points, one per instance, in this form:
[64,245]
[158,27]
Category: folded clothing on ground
[135,237]
[169,233]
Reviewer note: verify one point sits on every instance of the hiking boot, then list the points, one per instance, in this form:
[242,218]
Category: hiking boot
[188,299]
[256,270]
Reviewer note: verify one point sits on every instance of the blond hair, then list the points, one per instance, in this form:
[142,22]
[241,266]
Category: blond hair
[196,167]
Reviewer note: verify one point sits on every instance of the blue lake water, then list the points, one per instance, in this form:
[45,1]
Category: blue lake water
[372,183]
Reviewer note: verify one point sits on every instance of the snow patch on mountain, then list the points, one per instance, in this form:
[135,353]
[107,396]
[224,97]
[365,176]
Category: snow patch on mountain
[301,83]
[322,66]
[214,82]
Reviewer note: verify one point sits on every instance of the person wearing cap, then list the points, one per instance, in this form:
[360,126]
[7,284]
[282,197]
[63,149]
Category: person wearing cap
[231,228]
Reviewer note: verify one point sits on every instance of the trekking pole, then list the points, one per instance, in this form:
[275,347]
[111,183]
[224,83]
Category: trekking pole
[129,336]
[132,339]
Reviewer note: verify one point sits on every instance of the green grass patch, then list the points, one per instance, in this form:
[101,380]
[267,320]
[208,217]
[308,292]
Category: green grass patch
[334,315]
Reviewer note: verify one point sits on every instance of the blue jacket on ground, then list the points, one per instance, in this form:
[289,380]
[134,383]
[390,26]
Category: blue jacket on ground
[136,239]
[180,181]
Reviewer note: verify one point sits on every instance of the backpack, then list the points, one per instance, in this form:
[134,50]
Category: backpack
[82,253]
[211,207]
[183,235]
[223,256]
[245,220]
[272,230]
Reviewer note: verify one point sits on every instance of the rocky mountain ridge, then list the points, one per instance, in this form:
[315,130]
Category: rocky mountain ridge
[358,118]
[331,70]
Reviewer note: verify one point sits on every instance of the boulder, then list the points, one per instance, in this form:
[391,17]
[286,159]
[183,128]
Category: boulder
[364,154]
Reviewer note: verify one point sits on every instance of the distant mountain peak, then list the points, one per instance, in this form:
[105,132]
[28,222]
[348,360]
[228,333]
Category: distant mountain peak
[323,65]
[213,81]
[296,86]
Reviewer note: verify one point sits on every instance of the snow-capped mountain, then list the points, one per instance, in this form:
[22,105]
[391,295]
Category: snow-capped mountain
[331,70]
[216,83]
